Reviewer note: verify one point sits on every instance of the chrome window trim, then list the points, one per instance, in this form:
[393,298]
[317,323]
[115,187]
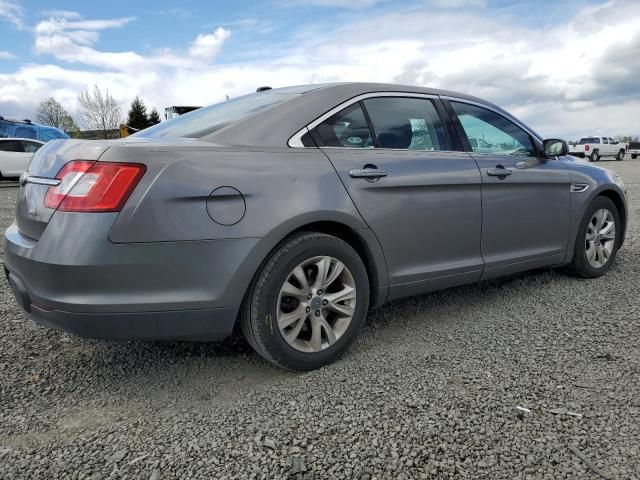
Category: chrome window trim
[296,140]
[496,111]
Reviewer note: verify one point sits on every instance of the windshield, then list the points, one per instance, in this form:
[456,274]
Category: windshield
[584,141]
[207,120]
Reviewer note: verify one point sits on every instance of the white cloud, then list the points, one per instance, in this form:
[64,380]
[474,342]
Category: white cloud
[69,14]
[207,46]
[12,12]
[4,55]
[575,77]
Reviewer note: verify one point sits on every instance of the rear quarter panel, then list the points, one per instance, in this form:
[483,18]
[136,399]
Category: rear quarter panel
[281,188]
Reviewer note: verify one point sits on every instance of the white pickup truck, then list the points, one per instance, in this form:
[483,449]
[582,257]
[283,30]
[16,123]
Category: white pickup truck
[594,148]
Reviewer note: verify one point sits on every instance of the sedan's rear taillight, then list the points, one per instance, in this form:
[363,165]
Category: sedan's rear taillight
[93,186]
[586,148]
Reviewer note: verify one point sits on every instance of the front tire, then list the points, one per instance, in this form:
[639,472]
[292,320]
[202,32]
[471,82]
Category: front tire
[308,302]
[598,240]
[620,156]
[595,156]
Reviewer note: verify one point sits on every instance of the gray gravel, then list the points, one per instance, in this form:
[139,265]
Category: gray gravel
[532,376]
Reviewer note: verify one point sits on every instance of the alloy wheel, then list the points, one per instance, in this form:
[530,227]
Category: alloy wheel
[316,304]
[600,238]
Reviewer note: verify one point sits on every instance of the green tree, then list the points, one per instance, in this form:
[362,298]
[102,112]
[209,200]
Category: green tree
[137,118]
[154,117]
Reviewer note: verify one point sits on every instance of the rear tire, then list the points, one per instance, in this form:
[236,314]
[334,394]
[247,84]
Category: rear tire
[595,156]
[596,246]
[299,318]
[634,156]
[620,156]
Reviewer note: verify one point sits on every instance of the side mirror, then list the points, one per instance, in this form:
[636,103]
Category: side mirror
[554,147]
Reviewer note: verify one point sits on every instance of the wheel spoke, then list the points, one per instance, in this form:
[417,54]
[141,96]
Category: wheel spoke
[591,252]
[292,335]
[301,277]
[607,227]
[345,310]
[328,330]
[600,258]
[288,318]
[323,269]
[608,236]
[591,233]
[316,334]
[338,267]
[293,291]
[347,293]
[601,217]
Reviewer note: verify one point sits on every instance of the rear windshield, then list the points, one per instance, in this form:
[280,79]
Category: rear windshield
[207,120]
[586,140]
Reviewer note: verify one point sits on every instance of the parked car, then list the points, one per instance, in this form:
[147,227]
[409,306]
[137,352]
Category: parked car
[594,148]
[15,154]
[634,149]
[292,211]
[11,128]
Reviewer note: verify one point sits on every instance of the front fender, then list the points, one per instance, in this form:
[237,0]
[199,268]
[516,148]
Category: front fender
[600,181]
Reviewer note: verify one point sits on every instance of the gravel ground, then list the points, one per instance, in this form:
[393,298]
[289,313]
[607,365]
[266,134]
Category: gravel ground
[531,376]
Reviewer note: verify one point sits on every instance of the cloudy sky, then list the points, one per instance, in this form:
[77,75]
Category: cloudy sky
[567,68]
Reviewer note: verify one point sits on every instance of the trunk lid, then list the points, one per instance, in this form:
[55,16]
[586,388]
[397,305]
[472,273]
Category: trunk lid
[32,216]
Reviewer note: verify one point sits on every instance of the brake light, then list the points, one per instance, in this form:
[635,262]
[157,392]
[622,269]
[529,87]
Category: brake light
[586,148]
[93,186]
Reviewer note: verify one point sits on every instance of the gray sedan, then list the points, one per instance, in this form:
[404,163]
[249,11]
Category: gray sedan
[292,211]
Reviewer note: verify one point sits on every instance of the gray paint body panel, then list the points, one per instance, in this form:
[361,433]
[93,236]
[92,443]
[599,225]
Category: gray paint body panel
[163,268]
[407,209]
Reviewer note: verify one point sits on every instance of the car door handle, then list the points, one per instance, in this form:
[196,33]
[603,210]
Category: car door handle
[499,171]
[367,173]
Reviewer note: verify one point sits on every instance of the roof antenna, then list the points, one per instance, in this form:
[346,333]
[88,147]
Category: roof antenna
[262,89]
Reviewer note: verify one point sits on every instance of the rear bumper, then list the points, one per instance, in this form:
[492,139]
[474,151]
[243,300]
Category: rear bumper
[94,288]
[203,324]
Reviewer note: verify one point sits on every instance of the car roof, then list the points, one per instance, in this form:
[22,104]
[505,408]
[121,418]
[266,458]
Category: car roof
[273,127]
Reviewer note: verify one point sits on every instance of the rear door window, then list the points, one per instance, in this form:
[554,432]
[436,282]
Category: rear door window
[406,124]
[30,147]
[11,146]
[605,141]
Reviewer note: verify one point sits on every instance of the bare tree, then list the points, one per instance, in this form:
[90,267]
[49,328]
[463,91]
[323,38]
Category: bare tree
[51,112]
[99,111]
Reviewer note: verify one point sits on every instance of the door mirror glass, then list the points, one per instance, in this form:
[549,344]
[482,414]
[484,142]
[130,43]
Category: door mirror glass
[555,147]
